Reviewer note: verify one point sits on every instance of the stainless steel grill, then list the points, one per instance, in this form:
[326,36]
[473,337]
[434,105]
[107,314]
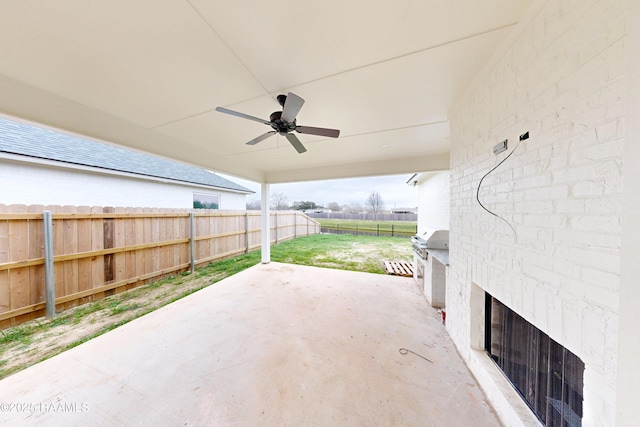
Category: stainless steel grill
[430,239]
[419,246]
[429,269]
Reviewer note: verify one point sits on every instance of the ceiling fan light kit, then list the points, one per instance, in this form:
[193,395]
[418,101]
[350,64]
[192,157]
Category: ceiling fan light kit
[284,122]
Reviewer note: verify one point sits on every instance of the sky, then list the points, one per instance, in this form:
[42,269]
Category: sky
[393,189]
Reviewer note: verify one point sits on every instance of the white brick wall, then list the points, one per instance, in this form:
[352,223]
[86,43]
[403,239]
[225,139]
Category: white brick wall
[562,77]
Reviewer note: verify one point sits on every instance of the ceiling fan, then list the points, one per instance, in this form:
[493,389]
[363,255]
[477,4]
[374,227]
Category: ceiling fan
[284,122]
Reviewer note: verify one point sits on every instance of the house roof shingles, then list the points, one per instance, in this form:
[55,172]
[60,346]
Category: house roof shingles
[21,139]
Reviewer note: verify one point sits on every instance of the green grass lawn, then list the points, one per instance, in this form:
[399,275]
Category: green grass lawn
[346,252]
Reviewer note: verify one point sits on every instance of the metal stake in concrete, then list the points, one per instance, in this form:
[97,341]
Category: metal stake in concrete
[49,278]
[192,236]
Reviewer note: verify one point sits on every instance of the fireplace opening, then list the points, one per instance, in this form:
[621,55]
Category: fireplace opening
[547,375]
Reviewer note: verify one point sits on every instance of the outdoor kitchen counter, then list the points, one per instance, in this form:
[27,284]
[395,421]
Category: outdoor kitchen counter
[442,255]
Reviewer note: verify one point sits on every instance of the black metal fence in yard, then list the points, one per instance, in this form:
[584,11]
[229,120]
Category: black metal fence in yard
[364,216]
[373,230]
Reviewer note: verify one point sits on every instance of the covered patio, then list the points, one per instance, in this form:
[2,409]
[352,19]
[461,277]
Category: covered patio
[417,86]
[276,344]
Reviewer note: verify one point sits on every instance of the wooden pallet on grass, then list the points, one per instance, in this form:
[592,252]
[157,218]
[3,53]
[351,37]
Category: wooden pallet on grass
[399,268]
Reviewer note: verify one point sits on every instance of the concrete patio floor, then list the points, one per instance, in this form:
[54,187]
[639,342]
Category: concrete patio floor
[274,345]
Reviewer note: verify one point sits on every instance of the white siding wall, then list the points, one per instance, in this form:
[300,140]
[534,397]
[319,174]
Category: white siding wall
[433,202]
[24,183]
[562,77]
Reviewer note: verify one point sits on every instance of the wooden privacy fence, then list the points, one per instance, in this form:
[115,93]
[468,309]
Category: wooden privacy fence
[98,251]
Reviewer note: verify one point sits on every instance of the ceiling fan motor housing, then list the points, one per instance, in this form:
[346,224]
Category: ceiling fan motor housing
[281,99]
[291,105]
[280,125]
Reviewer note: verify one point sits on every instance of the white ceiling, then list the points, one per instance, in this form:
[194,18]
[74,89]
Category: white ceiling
[148,74]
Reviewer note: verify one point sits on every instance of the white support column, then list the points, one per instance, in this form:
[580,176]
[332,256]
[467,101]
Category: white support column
[629,312]
[265,222]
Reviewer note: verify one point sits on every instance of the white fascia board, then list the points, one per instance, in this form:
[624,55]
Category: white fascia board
[419,178]
[435,162]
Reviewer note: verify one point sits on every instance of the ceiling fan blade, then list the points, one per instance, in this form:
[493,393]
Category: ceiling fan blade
[262,137]
[296,143]
[244,116]
[331,133]
[292,106]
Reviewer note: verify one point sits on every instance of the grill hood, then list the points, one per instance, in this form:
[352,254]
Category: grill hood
[432,238]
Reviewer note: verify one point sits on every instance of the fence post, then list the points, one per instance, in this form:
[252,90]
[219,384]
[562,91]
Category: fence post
[392,230]
[246,234]
[49,277]
[378,232]
[295,224]
[191,243]
[276,221]
[307,226]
